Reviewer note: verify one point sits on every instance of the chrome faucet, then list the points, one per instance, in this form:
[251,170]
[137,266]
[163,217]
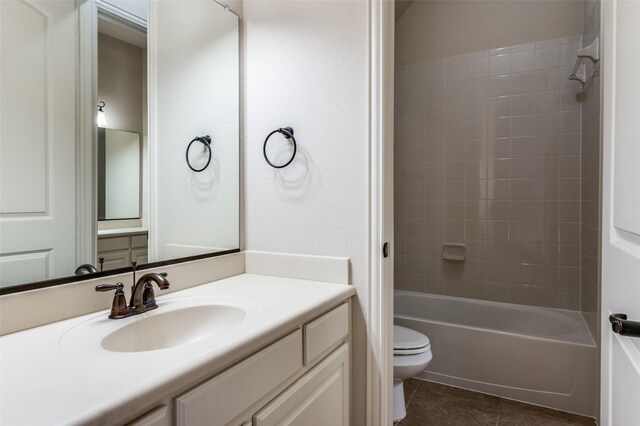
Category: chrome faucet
[143,298]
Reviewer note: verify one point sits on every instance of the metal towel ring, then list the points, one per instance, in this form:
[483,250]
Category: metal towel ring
[206,141]
[287,132]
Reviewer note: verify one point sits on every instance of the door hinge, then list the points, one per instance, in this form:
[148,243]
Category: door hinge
[385,250]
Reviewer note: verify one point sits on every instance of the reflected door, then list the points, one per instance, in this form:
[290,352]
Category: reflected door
[37,139]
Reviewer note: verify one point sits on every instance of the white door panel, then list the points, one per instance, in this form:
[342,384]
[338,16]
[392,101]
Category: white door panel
[37,139]
[620,392]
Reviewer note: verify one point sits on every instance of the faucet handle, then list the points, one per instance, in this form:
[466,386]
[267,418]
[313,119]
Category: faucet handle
[119,307]
[109,287]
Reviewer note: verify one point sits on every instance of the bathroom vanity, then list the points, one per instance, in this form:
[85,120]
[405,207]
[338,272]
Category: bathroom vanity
[249,349]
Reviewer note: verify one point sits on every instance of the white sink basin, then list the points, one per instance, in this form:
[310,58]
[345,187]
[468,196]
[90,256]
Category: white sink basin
[176,322]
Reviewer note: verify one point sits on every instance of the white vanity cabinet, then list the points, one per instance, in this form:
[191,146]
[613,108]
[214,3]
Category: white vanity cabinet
[276,386]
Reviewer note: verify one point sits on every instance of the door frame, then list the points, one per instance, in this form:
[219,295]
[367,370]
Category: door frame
[380,300]
[86,132]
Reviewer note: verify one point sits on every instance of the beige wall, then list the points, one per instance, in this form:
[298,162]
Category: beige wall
[120,83]
[437,29]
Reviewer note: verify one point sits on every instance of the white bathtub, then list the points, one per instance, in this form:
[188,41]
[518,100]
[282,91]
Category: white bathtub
[537,355]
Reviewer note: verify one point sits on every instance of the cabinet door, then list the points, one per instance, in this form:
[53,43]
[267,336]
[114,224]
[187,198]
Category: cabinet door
[116,259]
[220,400]
[157,417]
[140,256]
[319,398]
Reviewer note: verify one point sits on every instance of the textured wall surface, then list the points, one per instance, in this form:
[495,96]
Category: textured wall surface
[436,29]
[306,66]
[488,154]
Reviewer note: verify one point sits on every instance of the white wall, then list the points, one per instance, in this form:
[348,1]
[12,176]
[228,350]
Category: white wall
[306,66]
[194,80]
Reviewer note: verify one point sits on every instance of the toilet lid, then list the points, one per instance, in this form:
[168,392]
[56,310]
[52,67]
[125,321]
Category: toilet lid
[407,340]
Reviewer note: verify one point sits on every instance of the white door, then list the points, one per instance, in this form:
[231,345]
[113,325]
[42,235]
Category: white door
[620,397]
[37,139]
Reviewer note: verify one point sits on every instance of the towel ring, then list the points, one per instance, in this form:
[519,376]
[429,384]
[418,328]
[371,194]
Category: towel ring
[206,141]
[287,132]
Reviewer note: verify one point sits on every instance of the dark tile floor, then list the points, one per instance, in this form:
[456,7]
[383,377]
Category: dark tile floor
[433,404]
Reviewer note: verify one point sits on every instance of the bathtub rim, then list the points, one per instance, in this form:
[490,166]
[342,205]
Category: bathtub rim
[529,308]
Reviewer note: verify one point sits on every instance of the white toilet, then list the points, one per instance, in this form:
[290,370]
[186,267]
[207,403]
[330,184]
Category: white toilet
[411,355]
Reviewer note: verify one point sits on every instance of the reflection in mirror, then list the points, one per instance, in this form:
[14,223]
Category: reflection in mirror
[58,208]
[118,174]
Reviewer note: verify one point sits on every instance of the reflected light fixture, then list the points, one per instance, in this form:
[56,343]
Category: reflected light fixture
[102,118]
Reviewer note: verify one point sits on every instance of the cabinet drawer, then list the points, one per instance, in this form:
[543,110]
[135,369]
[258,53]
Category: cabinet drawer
[319,398]
[324,333]
[113,244]
[227,395]
[139,241]
[157,417]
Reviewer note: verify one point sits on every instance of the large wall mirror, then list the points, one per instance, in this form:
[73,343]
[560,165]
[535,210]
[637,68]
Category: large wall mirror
[120,151]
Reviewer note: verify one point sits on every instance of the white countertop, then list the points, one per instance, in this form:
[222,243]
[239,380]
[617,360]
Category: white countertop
[43,383]
[121,231]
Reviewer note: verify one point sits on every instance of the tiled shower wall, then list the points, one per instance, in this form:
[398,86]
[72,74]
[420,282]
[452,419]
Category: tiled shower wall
[590,175]
[488,154]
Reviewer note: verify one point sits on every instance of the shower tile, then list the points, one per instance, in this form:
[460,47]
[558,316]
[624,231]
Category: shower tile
[453,229]
[522,125]
[499,86]
[547,102]
[498,169]
[476,169]
[568,299]
[498,189]
[476,129]
[522,83]
[435,94]
[498,271]
[523,104]
[569,189]
[416,97]
[476,149]
[497,291]
[477,67]
[499,65]
[454,209]
[478,88]
[548,79]
[476,229]
[569,277]
[434,247]
[499,107]
[435,72]
[434,190]
[456,69]
[522,61]
[455,170]
[500,51]
[435,114]
[521,294]
[499,148]
[545,296]
[497,250]
[455,150]
[454,190]
[432,171]
[456,92]
[476,190]
[456,111]
[521,168]
[415,134]
[434,209]
[434,284]
[434,228]
[433,266]
[476,249]
[414,282]
[435,152]
[477,109]
[416,75]
[401,77]
[497,230]
[435,132]
[498,209]
[547,57]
